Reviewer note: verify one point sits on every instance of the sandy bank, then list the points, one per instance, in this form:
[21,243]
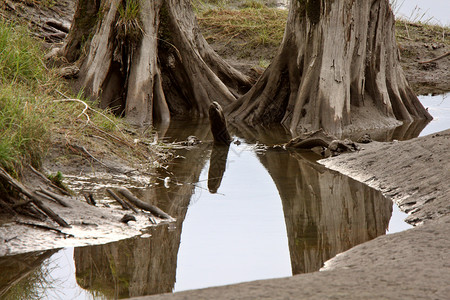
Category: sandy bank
[414,264]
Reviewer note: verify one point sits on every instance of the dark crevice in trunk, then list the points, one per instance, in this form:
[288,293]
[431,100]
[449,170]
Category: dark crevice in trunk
[114,90]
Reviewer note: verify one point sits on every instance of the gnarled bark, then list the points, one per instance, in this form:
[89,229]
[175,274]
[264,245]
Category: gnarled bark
[337,69]
[152,64]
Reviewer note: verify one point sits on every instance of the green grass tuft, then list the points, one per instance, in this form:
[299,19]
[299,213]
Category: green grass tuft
[32,109]
[23,123]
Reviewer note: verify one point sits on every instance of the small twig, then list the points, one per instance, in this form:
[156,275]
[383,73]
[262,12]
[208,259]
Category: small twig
[40,226]
[84,151]
[407,31]
[86,107]
[111,135]
[10,239]
[434,59]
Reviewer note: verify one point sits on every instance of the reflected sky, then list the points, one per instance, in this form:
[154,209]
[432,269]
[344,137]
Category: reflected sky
[237,234]
[439,108]
[62,276]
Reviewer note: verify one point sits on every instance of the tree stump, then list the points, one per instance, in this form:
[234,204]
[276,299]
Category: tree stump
[218,125]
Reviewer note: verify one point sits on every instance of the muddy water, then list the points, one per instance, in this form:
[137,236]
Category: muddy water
[243,213]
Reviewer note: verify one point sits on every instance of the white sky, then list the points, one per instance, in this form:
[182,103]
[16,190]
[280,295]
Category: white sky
[438,9]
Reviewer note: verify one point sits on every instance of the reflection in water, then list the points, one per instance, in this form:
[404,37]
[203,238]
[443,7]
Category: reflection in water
[23,276]
[129,268]
[217,165]
[325,213]
[148,266]
[439,107]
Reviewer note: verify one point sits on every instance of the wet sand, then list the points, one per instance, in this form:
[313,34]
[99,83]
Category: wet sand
[413,264]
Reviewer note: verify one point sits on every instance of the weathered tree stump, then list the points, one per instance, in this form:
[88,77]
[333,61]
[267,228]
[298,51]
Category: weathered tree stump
[20,188]
[218,125]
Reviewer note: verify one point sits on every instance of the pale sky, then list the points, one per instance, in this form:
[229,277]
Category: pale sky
[438,9]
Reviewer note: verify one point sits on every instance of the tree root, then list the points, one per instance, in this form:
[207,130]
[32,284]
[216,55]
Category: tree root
[36,201]
[125,205]
[435,59]
[330,144]
[54,196]
[143,205]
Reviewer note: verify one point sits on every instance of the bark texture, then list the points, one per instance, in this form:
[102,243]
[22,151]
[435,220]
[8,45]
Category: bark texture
[337,69]
[148,60]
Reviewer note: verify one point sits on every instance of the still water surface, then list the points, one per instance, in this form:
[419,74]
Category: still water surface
[243,213]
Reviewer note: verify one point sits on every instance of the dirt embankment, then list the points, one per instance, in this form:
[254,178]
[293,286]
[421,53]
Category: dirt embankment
[419,43]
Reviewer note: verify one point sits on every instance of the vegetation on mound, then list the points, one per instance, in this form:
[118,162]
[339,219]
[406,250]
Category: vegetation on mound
[421,32]
[24,98]
[35,111]
[252,28]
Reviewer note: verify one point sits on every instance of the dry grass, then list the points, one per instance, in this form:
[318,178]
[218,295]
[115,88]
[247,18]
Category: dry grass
[250,28]
[420,32]
[37,109]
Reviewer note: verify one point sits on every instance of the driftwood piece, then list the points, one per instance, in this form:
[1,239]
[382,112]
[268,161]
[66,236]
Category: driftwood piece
[218,124]
[311,140]
[340,146]
[123,203]
[44,196]
[54,196]
[332,145]
[18,186]
[127,218]
[27,208]
[309,143]
[143,205]
[89,198]
[58,25]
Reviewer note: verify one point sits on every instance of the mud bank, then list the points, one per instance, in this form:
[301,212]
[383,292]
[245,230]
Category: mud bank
[89,225]
[415,174]
[410,264]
